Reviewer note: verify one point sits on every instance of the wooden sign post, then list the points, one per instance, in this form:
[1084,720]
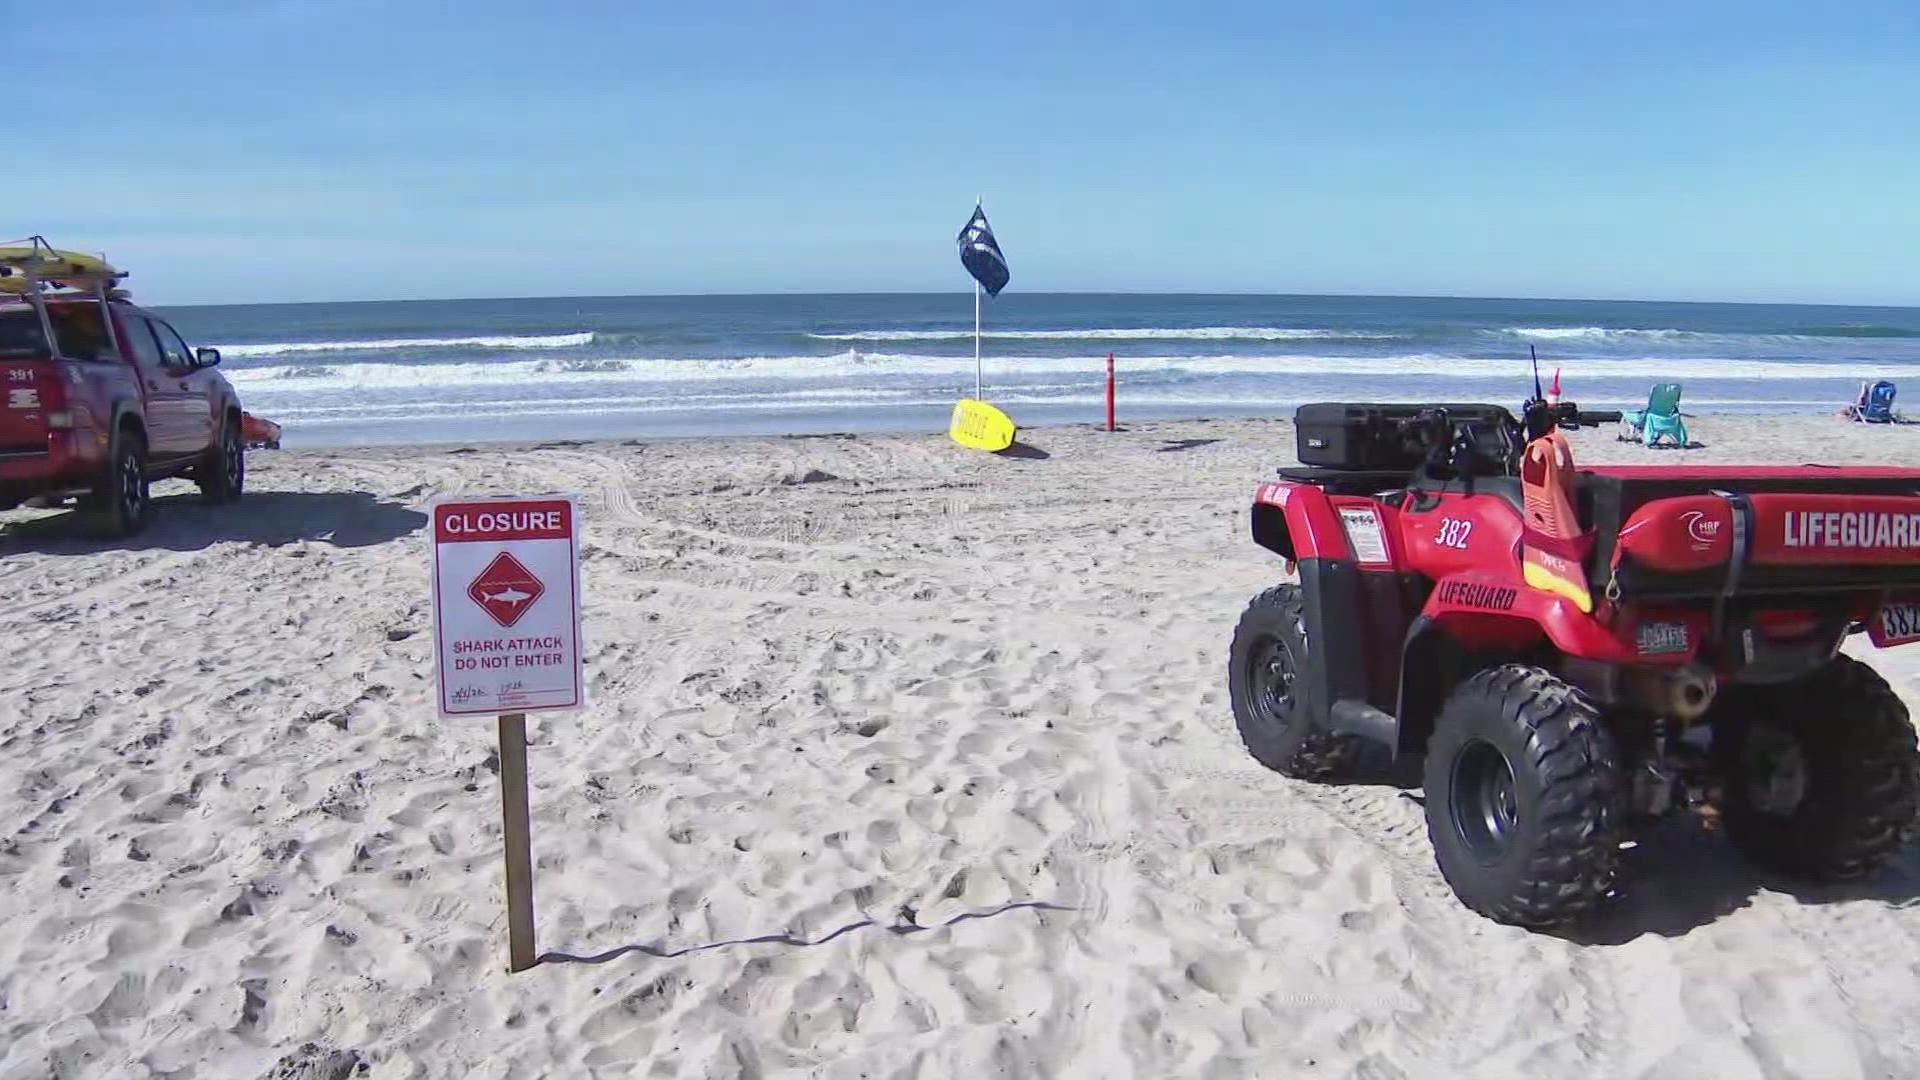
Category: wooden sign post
[506,616]
[517,825]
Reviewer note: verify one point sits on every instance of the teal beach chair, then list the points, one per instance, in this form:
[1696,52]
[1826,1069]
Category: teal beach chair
[1874,405]
[1660,419]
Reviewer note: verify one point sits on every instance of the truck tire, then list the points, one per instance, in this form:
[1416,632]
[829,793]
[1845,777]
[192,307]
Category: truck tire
[1524,799]
[1821,775]
[1272,704]
[222,475]
[117,507]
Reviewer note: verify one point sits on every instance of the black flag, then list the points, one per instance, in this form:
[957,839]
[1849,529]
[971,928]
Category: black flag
[980,254]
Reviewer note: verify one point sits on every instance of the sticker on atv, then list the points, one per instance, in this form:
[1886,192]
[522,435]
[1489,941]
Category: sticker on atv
[1898,624]
[1273,494]
[1364,535]
[1454,532]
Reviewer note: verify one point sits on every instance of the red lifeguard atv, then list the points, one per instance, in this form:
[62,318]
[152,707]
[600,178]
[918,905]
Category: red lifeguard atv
[1574,652]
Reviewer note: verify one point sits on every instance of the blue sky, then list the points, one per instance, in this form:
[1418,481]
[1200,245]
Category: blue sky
[321,151]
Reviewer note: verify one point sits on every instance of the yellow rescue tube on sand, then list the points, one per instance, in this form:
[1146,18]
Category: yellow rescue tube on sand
[980,426]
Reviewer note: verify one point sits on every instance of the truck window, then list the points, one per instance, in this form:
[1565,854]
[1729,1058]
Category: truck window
[20,332]
[175,350]
[146,351]
[81,334]
[76,327]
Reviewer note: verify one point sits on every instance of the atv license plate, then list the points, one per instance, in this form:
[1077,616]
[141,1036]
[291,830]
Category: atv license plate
[1898,624]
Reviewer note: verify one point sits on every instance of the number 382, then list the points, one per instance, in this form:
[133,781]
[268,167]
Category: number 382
[1454,532]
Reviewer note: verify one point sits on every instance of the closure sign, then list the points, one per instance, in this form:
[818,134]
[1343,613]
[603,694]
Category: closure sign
[506,605]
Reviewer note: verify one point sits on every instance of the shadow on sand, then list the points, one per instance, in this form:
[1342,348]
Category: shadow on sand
[1024,451]
[1681,877]
[186,523]
[906,925]
[1678,876]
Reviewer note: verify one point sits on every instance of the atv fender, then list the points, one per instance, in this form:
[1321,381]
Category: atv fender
[1468,616]
[1297,522]
[1301,524]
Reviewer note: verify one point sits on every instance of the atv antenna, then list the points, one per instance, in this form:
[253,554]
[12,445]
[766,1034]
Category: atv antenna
[1537,395]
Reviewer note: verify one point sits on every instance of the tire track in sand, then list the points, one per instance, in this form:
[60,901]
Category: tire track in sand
[1453,946]
[1106,901]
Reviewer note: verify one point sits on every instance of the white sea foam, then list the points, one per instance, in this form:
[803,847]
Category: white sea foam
[1618,334]
[1596,333]
[533,341]
[1189,333]
[847,399]
[846,395]
[280,379]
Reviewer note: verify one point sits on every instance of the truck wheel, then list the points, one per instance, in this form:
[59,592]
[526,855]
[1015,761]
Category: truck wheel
[1272,704]
[117,506]
[1821,777]
[1524,801]
[223,472]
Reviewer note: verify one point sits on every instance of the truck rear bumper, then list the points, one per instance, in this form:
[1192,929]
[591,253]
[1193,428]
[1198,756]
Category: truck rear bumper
[52,468]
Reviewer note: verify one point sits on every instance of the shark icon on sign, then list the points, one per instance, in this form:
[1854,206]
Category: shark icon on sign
[505,589]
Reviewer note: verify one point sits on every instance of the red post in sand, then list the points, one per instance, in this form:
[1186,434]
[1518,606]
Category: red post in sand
[1109,391]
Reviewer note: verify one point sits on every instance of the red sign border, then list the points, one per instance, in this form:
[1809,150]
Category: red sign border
[499,502]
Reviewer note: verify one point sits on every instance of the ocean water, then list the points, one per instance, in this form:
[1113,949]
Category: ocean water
[466,370]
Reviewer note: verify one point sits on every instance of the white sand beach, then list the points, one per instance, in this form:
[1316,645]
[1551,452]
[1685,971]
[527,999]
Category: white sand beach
[902,761]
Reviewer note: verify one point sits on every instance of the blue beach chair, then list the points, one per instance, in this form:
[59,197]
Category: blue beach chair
[1660,419]
[1874,405]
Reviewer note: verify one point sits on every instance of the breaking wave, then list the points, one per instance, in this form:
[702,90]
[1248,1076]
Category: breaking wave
[858,365]
[1190,333]
[533,341]
[1595,333]
[1627,334]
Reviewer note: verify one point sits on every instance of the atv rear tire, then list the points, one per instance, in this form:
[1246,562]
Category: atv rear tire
[1524,797]
[1822,777]
[1273,704]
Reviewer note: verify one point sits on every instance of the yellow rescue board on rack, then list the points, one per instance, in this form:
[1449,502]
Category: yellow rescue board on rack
[18,286]
[980,426]
[38,264]
[44,262]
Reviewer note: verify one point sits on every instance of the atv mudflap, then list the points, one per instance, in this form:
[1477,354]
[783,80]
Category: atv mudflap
[1334,590]
[1358,605]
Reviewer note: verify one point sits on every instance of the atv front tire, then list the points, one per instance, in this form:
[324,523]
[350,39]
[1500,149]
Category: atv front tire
[1524,798]
[1273,703]
[1821,775]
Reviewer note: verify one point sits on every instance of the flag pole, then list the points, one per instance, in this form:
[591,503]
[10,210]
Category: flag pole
[976,340]
[977,201]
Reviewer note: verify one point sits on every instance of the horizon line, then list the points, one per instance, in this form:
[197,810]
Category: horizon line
[1064,292]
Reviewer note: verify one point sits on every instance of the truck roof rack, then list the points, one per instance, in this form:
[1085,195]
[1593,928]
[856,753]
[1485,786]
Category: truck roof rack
[36,271]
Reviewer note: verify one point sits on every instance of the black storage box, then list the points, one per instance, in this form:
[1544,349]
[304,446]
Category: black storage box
[1363,435]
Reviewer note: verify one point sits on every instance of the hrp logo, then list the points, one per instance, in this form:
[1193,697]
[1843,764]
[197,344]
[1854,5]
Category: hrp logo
[1702,530]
